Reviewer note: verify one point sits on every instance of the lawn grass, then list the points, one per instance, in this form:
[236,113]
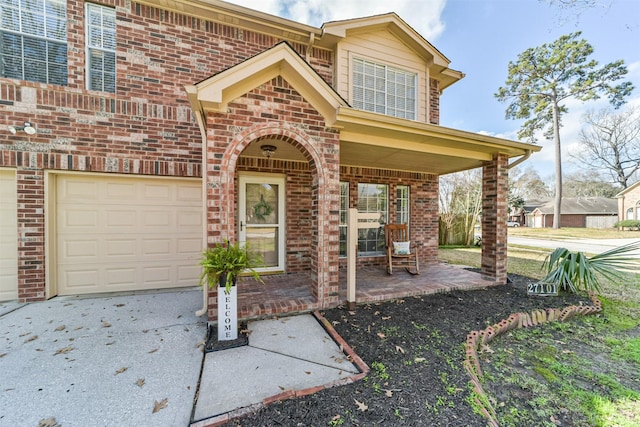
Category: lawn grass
[585,370]
[580,233]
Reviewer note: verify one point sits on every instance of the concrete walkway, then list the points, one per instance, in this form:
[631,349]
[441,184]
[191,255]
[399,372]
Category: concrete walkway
[136,360]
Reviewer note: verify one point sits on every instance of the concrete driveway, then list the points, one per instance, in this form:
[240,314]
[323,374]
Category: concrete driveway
[130,360]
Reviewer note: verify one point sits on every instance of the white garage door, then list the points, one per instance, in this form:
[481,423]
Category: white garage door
[122,234]
[8,236]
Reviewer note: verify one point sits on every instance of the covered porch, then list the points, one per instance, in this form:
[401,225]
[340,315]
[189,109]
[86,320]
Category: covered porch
[291,293]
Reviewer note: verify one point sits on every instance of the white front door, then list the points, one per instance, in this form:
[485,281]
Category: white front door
[262,216]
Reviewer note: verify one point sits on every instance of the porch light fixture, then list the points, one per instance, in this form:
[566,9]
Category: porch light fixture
[268,150]
[27,128]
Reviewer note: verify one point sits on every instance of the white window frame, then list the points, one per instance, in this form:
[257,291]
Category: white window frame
[403,194]
[100,47]
[370,204]
[41,38]
[344,212]
[384,89]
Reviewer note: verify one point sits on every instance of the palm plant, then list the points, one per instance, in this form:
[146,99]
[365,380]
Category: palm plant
[574,271]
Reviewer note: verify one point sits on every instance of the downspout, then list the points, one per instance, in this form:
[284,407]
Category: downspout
[203,132]
[526,155]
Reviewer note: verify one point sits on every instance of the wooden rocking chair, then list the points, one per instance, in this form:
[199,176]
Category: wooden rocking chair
[400,252]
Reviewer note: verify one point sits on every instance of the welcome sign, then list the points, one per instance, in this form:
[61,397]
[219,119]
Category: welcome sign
[227,314]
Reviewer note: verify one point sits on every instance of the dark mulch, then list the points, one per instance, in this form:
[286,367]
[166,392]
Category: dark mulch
[415,349]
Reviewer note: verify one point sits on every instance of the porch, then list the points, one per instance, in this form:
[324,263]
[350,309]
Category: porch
[291,293]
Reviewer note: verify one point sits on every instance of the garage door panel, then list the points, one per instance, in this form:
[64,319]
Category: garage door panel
[189,194]
[158,192]
[81,281]
[120,218]
[157,219]
[151,247]
[80,218]
[189,219]
[79,190]
[8,236]
[119,191]
[78,249]
[118,277]
[143,238]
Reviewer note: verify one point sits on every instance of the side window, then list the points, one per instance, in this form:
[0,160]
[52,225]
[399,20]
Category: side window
[344,212]
[373,198]
[402,204]
[33,40]
[101,48]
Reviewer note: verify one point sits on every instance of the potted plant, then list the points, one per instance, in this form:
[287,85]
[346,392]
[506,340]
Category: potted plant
[221,266]
[223,263]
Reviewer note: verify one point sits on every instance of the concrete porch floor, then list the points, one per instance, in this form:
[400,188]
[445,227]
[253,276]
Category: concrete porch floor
[291,293]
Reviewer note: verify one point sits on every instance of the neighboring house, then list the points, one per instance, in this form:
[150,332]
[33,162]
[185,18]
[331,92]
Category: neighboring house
[629,202]
[585,212]
[521,214]
[165,125]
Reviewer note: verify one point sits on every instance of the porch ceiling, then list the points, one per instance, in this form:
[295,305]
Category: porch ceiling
[379,141]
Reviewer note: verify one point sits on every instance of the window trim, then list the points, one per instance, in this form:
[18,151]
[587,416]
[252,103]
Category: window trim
[88,48]
[387,68]
[47,37]
[384,219]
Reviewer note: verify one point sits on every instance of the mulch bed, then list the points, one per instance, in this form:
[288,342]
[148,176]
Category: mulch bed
[415,350]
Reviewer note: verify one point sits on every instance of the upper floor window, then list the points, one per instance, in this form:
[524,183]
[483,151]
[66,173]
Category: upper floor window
[33,40]
[101,48]
[384,89]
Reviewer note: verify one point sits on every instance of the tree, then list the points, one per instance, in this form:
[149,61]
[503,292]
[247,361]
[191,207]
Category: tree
[527,184]
[588,184]
[543,78]
[611,143]
[460,205]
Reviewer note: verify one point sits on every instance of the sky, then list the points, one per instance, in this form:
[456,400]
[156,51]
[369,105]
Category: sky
[481,37]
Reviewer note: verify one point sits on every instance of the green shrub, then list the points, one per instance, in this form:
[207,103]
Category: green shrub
[633,224]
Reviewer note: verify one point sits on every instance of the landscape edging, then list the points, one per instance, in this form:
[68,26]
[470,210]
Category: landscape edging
[477,341]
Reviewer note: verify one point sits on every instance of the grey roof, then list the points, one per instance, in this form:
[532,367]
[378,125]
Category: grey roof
[583,206]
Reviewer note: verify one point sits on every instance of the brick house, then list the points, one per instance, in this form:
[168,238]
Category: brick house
[164,126]
[629,202]
[580,212]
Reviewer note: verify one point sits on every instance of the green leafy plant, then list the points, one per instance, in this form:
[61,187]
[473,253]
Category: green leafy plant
[574,271]
[227,261]
[633,224]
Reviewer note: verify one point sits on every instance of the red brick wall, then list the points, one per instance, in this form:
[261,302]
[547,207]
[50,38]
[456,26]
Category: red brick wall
[145,128]
[276,111]
[567,220]
[495,177]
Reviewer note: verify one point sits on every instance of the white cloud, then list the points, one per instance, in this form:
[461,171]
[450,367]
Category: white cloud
[423,16]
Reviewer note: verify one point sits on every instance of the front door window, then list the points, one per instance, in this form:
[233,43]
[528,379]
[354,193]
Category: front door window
[262,217]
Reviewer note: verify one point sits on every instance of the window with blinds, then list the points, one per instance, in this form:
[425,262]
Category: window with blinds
[101,48]
[383,89]
[33,40]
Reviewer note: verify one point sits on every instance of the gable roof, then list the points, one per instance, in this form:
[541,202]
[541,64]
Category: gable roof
[438,63]
[629,188]
[216,92]
[582,206]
